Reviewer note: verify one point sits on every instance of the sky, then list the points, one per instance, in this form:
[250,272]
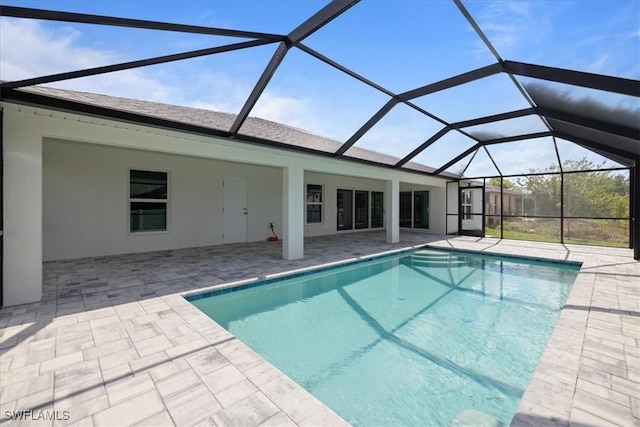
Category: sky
[398,44]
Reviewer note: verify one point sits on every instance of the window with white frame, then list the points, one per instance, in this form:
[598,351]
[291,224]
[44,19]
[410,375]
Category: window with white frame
[148,198]
[314,204]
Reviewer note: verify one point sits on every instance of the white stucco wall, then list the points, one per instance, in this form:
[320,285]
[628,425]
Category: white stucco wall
[85,200]
[22,201]
[452,207]
[437,211]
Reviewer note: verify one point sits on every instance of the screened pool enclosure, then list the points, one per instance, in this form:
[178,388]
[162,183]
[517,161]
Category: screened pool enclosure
[534,143]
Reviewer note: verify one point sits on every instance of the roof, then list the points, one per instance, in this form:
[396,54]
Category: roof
[260,129]
[548,118]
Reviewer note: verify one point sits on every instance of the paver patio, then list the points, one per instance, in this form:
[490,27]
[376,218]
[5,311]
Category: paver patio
[113,342]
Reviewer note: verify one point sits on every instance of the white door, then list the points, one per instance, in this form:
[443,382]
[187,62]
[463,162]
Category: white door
[472,211]
[235,213]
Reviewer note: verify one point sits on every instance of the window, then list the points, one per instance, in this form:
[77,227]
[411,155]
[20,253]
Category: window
[148,193]
[314,204]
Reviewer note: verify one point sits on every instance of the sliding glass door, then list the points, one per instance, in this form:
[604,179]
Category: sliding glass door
[414,209]
[420,209]
[345,209]
[405,209]
[362,209]
[377,206]
[359,209]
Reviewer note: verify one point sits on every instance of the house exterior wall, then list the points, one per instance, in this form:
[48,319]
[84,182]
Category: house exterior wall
[494,206]
[510,204]
[66,172]
[85,200]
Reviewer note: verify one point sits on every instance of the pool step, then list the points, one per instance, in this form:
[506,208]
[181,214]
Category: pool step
[433,254]
[433,264]
[427,260]
[436,260]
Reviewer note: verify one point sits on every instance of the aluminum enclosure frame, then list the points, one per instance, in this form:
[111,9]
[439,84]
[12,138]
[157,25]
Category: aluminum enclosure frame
[626,153]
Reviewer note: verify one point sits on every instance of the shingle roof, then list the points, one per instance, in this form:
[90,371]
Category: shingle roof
[253,127]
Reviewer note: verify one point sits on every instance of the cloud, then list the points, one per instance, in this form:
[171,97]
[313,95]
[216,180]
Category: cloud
[30,49]
[283,109]
[215,90]
[599,66]
[510,25]
[27,45]
[503,33]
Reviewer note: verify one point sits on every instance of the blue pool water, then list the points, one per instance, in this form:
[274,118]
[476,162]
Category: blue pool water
[418,338]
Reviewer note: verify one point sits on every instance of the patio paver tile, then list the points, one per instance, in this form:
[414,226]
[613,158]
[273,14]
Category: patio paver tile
[278,420]
[583,418]
[252,410]
[61,362]
[604,392]
[81,412]
[127,388]
[177,382]
[206,361]
[236,392]
[603,408]
[79,375]
[27,387]
[192,405]
[152,345]
[223,378]
[158,420]
[130,411]
[107,348]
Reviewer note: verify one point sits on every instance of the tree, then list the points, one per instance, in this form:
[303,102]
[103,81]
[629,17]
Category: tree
[505,182]
[545,191]
[594,194]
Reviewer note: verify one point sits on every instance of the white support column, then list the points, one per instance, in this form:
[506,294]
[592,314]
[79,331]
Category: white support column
[293,212]
[22,181]
[392,209]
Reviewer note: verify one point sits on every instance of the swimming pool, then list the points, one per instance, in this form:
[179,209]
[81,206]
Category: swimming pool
[416,338]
